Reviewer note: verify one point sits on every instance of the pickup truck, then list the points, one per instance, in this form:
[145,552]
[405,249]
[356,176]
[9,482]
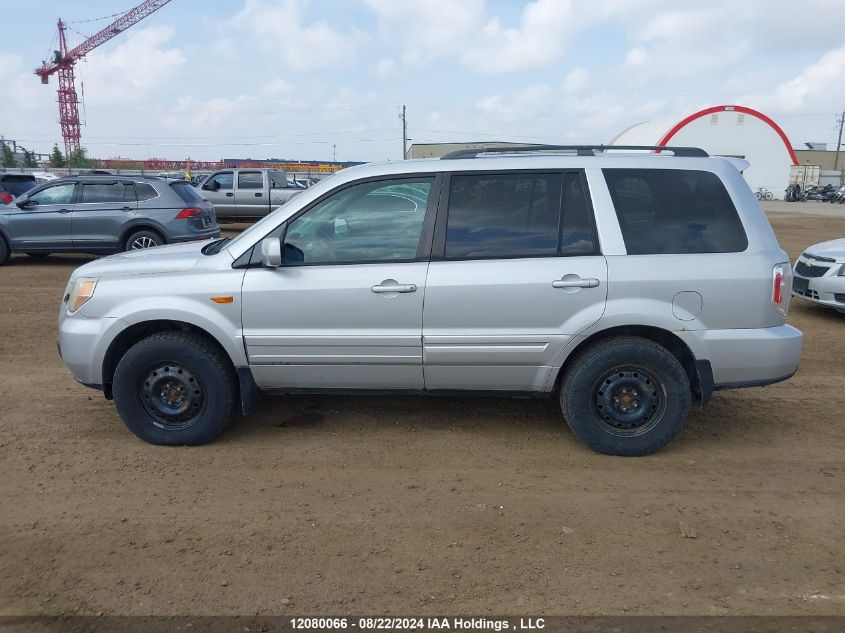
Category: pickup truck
[247,193]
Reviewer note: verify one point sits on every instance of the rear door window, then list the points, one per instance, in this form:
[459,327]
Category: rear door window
[519,215]
[674,211]
[250,180]
[106,192]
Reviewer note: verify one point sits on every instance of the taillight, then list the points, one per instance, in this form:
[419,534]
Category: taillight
[781,282]
[6,198]
[190,212]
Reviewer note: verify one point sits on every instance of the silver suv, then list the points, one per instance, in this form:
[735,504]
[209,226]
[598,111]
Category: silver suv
[628,284]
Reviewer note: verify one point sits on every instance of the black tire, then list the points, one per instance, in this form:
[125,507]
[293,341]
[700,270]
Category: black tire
[626,396]
[175,389]
[5,251]
[143,239]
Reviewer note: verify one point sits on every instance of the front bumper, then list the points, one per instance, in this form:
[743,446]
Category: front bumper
[827,290]
[82,344]
[747,357]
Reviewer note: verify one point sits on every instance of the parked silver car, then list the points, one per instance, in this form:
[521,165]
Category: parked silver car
[820,275]
[627,285]
[104,214]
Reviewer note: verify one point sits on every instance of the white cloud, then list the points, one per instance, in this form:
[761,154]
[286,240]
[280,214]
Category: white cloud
[428,29]
[545,29]
[384,67]
[576,80]
[133,70]
[280,27]
[276,87]
[811,88]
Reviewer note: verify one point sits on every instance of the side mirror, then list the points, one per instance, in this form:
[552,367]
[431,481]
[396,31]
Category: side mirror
[271,252]
[211,186]
[26,204]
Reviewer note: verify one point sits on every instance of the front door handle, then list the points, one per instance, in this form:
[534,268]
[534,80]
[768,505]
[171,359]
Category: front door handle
[384,288]
[64,210]
[229,194]
[259,194]
[126,209]
[577,282]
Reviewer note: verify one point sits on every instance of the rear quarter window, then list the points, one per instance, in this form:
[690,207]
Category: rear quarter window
[674,211]
[17,185]
[187,192]
[145,191]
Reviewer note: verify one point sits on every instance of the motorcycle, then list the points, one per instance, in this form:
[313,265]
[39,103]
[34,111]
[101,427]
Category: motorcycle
[820,194]
[793,193]
[838,196]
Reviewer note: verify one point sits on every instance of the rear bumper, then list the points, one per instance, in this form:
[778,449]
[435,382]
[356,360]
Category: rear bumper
[193,236]
[747,357]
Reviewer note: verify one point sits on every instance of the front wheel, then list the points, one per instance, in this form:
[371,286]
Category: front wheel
[759,195]
[769,195]
[175,389]
[626,396]
[5,251]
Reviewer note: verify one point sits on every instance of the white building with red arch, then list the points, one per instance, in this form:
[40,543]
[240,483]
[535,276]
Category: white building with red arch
[725,130]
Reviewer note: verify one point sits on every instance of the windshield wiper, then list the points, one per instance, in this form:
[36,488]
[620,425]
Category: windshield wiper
[215,246]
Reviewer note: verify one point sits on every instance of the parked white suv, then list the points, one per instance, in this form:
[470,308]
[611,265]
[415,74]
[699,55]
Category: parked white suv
[628,284]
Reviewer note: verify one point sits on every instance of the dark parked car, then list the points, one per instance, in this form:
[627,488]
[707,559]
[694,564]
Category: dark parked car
[104,214]
[13,185]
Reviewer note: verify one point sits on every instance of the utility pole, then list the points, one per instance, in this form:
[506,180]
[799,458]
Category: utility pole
[334,152]
[841,122]
[404,133]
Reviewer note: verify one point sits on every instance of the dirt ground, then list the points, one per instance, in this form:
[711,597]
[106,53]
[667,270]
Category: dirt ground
[361,505]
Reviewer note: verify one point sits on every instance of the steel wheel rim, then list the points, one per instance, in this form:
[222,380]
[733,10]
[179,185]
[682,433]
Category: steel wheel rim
[629,401]
[143,242]
[172,395]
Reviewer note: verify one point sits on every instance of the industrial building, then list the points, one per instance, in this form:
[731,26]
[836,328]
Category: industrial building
[725,130]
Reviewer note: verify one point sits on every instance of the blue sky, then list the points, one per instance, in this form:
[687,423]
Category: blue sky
[293,78]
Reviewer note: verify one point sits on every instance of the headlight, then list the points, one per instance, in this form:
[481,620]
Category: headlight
[83,289]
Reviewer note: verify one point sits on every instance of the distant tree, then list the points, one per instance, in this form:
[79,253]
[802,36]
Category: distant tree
[79,158]
[29,159]
[57,159]
[8,156]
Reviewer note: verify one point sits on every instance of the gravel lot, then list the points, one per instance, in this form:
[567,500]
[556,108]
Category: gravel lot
[402,505]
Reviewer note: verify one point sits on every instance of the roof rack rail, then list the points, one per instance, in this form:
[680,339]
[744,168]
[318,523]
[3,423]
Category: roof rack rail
[580,150]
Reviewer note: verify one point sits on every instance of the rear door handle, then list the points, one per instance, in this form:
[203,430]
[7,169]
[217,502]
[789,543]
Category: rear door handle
[575,283]
[126,209]
[381,288]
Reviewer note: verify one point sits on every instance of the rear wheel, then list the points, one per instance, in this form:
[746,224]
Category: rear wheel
[769,195]
[143,239]
[5,251]
[175,388]
[626,396]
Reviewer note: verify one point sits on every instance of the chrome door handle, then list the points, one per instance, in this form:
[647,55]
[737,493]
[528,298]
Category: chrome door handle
[575,283]
[394,288]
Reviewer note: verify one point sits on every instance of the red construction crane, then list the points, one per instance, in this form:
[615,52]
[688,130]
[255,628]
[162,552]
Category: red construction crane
[64,60]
